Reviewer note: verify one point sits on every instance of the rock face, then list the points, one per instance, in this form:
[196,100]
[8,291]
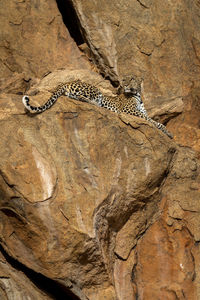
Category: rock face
[34,41]
[73,181]
[95,205]
[157,42]
[15,285]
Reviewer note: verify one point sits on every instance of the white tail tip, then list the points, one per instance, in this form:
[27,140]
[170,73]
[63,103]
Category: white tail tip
[25,101]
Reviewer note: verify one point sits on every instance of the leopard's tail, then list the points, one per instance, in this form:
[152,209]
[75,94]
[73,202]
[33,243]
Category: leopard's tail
[162,128]
[47,105]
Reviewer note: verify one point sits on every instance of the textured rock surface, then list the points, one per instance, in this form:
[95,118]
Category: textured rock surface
[14,284]
[66,190]
[95,183]
[33,42]
[157,41]
[166,259]
[95,205]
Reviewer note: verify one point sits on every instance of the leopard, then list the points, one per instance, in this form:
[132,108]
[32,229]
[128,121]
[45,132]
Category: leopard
[131,102]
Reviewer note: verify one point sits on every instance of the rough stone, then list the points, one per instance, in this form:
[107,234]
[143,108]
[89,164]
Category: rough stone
[165,267]
[157,42]
[33,42]
[171,243]
[15,285]
[123,277]
[103,206]
[64,189]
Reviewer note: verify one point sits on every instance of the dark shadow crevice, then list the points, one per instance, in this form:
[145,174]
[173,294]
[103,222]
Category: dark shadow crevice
[70,20]
[50,287]
[77,32]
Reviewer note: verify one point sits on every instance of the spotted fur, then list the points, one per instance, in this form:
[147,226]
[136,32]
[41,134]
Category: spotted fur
[82,91]
[132,92]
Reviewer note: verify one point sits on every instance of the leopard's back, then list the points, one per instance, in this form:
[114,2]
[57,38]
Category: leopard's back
[83,91]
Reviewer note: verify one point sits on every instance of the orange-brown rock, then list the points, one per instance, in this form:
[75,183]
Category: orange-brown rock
[165,267]
[14,284]
[168,254]
[72,178]
[33,42]
[84,184]
[187,125]
[158,42]
[165,260]
[94,205]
